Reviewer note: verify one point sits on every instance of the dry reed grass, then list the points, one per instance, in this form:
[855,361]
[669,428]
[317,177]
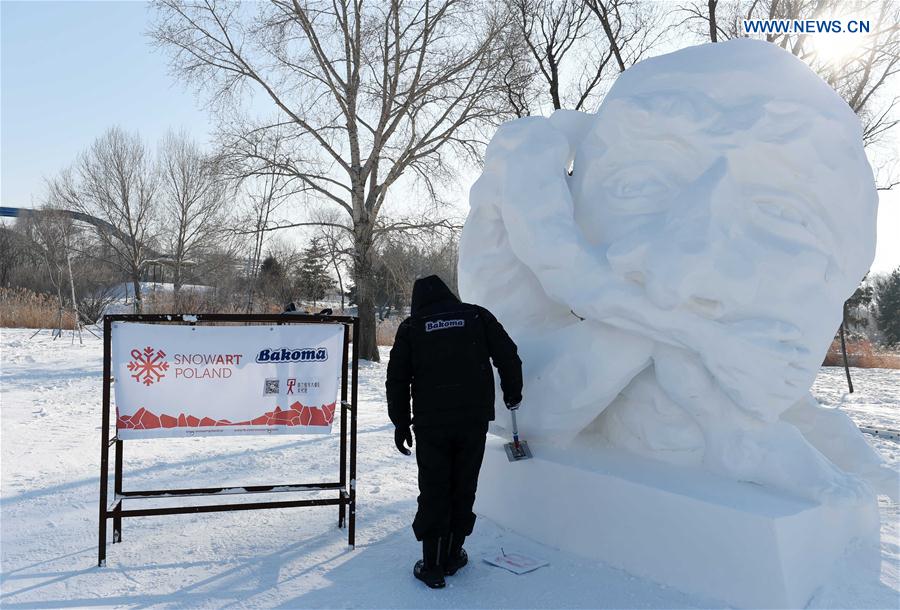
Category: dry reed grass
[386,330]
[862,354]
[22,308]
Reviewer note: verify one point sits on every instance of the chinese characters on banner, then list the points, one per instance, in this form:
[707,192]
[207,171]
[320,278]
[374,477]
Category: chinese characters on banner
[176,381]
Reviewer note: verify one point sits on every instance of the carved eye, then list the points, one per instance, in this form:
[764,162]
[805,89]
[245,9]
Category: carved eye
[634,183]
[640,189]
[786,218]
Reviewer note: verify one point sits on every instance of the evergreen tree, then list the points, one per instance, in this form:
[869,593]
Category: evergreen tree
[275,279]
[856,308]
[887,297]
[271,275]
[270,268]
[314,281]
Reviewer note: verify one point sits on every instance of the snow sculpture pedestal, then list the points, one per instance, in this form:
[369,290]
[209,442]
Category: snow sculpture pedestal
[738,543]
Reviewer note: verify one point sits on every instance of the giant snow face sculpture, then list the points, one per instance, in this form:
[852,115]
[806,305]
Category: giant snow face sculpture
[674,267]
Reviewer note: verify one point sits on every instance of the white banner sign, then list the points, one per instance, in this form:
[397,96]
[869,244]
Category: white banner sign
[173,380]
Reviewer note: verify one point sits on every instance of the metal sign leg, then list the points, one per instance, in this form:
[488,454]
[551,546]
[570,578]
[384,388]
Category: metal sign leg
[342,509]
[104,446]
[353,410]
[117,517]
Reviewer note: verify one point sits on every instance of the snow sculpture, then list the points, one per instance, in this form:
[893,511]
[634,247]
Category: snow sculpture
[674,267]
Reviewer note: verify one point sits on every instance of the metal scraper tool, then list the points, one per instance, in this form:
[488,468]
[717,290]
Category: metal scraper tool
[517,450]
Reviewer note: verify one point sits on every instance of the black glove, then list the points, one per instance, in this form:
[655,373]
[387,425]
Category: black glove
[402,434]
[512,403]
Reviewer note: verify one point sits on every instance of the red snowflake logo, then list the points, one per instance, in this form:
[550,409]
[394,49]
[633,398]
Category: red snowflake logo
[148,366]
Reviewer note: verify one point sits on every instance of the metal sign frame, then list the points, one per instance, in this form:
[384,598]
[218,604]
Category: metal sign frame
[345,486]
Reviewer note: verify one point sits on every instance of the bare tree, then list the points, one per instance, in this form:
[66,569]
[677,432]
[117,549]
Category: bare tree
[550,29]
[631,28]
[264,195]
[574,49]
[367,94]
[519,76]
[17,256]
[335,240]
[114,180]
[53,234]
[192,197]
[405,257]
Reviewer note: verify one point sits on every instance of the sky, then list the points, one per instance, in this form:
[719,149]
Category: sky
[70,70]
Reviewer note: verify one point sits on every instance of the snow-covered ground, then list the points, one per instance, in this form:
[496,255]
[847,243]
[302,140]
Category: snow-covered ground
[290,558]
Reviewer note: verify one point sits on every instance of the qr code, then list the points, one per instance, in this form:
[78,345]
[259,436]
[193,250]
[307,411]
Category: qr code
[270,387]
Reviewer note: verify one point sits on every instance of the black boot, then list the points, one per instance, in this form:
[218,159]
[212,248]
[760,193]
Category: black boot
[456,556]
[429,569]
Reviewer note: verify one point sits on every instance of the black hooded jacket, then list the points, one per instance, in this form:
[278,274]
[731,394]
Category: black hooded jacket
[443,353]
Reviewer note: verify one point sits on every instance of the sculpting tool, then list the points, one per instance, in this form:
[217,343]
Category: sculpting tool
[517,450]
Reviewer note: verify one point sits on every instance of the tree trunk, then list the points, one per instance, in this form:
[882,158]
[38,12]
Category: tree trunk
[337,270]
[365,296]
[844,352]
[138,298]
[554,81]
[59,297]
[603,14]
[713,30]
[176,287]
[74,301]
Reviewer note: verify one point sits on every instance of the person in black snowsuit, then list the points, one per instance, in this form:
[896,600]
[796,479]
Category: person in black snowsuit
[442,359]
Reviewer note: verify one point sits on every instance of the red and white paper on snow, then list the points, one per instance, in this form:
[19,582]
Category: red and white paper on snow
[516,563]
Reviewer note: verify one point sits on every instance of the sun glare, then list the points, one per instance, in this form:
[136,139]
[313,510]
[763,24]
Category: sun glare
[837,47]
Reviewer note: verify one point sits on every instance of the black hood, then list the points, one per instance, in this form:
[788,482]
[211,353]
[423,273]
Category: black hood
[427,291]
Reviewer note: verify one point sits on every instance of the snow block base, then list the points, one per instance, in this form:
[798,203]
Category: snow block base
[702,534]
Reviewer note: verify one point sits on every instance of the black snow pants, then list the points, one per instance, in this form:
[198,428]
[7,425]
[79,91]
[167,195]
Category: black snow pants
[449,459]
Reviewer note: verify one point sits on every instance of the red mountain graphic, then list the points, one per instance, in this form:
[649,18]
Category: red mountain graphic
[296,415]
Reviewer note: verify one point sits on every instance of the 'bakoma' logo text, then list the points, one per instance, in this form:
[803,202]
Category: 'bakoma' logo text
[443,324]
[285,354]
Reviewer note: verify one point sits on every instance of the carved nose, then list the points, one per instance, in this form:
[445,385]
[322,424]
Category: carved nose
[626,257]
[661,268]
